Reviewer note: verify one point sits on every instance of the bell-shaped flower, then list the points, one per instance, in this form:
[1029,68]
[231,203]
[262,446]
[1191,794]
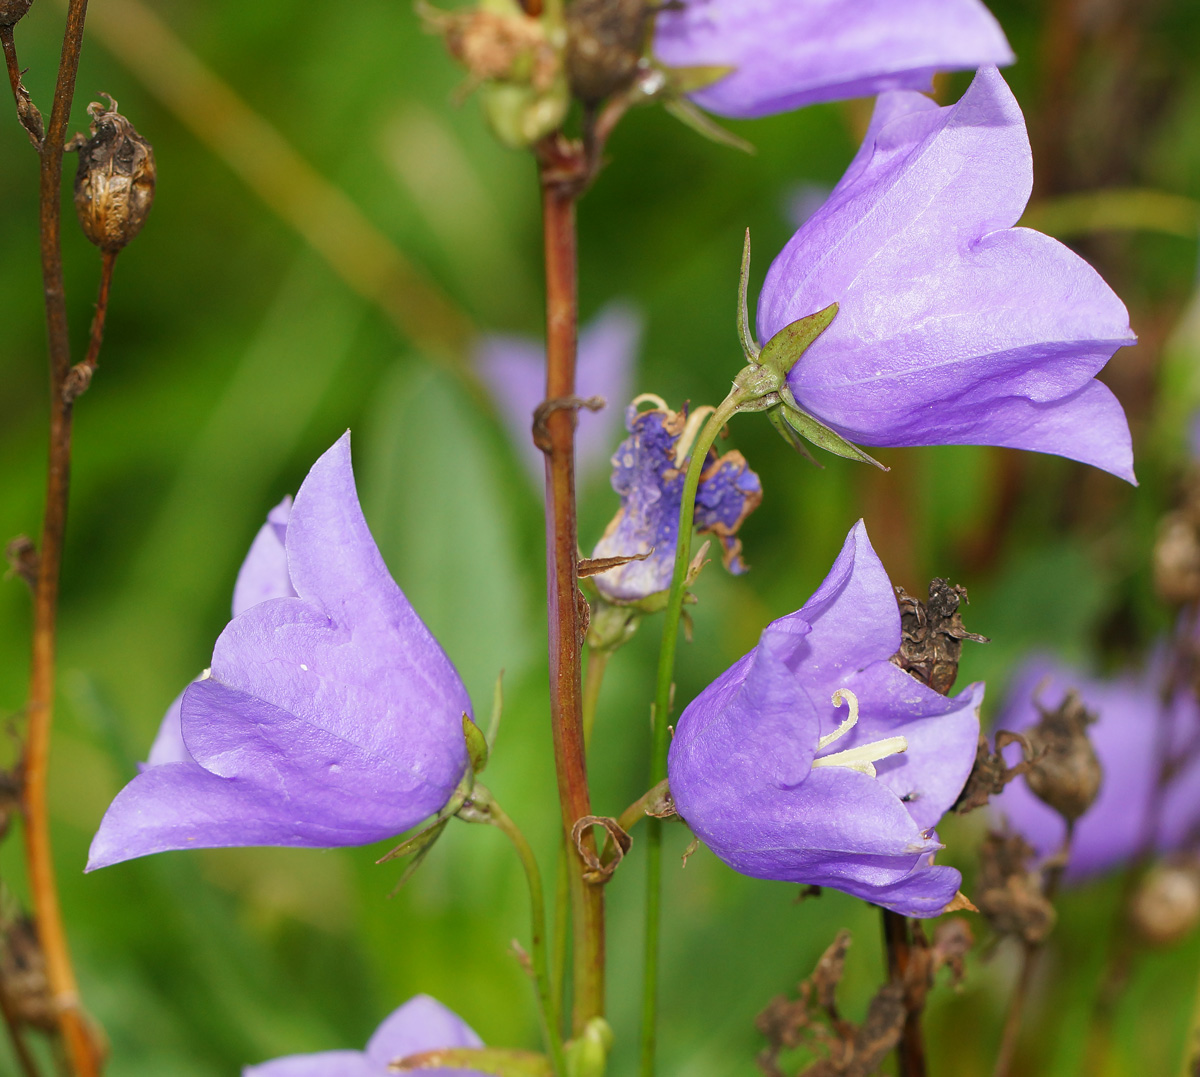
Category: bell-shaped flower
[1139,808]
[649,468]
[330,716]
[814,759]
[514,370]
[953,326]
[421,1024]
[788,53]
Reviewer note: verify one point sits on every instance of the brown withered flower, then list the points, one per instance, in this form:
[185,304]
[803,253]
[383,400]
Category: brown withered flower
[1008,893]
[13,11]
[114,183]
[605,41]
[932,635]
[1064,771]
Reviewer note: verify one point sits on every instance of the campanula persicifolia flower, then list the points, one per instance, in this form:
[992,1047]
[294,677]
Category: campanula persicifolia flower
[789,53]
[421,1024]
[514,369]
[814,759]
[1126,737]
[953,325]
[330,716]
[648,472]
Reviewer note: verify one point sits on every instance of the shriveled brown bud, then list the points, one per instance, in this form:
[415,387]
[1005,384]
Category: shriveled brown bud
[1009,895]
[1177,559]
[605,42]
[1166,906]
[114,184]
[13,11]
[932,635]
[23,979]
[1064,771]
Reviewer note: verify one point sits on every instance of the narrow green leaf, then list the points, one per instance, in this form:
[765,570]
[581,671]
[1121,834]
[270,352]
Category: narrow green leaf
[792,341]
[824,438]
[477,745]
[749,344]
[686,80]
[493,730]
[419,842]
[775,415]
[703,124]
[493,1060]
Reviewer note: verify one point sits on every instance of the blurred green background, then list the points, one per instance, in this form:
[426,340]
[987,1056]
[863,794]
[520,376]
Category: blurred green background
[235,355]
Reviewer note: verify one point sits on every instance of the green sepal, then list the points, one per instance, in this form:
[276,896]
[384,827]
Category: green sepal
[493,1060]
[781,352]
[684,80]
[587,1056]
[749,344]
[820,435]
[477,745]
[703,124]
[429,838]
[775,415]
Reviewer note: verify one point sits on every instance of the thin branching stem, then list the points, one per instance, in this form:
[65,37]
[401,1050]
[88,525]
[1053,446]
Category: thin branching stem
[662,705]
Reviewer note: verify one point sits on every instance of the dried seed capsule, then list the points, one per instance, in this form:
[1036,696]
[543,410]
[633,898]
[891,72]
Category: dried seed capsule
[1166,906]
[13,11]
[1064,771]
[114,184]
[605,41]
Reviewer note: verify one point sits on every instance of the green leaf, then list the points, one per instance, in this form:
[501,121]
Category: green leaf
[685,80]
[494,1060]
[824,438]
[775,415]
[749,344]
[781,352]
[703,124]
[477,745]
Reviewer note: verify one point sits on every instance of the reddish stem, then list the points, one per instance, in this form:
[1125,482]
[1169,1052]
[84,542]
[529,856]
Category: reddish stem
[81,1049]
[557,439]
[897,938]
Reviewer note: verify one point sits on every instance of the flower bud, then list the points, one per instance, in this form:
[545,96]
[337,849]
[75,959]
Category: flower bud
[1166,906]
[1064,771]
[605,41]
[114,184]
[13,11]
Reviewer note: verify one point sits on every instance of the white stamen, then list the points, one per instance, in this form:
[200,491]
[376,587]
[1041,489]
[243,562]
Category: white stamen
[865,756]
[842,695]
[683,447]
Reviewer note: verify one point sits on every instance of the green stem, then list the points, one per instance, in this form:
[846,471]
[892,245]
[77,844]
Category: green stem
[551,1022]
[662,705]
[562,923]
[594,677]
[1191,1046]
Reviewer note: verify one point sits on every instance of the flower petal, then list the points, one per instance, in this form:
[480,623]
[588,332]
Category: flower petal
[264,573]
[421,1024]
[324,1064]
[790,53]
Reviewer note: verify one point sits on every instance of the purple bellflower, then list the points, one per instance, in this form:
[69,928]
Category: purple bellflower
[421,1024]
[330,716]
[790,53]
[514,369]
[1126,738]
[814,759]
[648,472]
[953,326]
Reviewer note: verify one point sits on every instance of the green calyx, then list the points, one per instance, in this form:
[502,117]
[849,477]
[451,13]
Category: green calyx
[587,1056]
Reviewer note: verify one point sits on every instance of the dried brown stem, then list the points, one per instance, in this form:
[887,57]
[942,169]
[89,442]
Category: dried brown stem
[16,1035]
[29,116]
[897,938]
[81,1049]
[556,436]
[81,374]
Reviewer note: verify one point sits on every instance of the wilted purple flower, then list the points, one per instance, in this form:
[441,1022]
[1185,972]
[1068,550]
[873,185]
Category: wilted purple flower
[771,774]
[329,716]
[789,53]
[954,327]
[1126,738]
[514,369]
[648,472]
[421,1024]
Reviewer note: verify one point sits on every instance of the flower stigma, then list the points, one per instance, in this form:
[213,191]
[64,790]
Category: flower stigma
[865,756]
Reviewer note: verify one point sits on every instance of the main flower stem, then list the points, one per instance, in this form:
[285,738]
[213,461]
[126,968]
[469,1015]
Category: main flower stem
[557,438]
[897,939]
[662,706]
[81,1050]
[548,1006]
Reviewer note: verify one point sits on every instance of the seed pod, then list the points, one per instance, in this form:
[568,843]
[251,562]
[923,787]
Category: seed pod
[1064,771]
[605,41]
[114,184]
[1166,906]
[13,11]
[1177,559]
